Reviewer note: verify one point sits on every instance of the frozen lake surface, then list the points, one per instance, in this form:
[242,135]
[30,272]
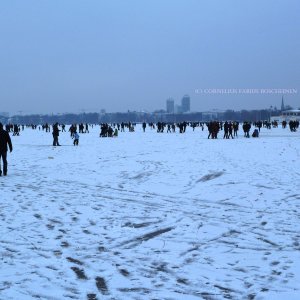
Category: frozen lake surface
[151,216]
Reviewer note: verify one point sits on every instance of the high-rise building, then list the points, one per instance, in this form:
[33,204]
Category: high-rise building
[282,104]
[170,106]
[178,109]
[186,103]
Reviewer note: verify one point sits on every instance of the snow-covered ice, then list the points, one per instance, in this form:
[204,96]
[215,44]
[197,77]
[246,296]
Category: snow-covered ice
[151,216]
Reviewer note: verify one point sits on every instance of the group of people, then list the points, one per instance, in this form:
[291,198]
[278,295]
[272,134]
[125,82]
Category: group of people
[111,130]
[230,129]
[14,128]
[108,131]
[294,125]
[72,130]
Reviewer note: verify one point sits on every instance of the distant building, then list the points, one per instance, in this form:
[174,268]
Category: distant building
[282,104]
[178,109]
[287,115]
[186,103]
[170,106]
[292,114]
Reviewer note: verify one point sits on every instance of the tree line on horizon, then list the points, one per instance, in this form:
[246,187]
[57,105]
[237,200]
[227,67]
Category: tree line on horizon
[139,117]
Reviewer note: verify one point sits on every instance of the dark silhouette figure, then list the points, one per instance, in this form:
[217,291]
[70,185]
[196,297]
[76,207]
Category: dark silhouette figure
[235,128]
[55,134]
[246,128]
[230,129]
[293,124]
[169,128]
[4,141]
[16,130]
[284,123]
[226,130]
[76,138]
[255,133]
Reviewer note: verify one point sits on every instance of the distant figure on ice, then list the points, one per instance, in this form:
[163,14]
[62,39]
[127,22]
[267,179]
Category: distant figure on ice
[116,133]
[104,130]
[230,129]
[4,141]
[284,123]
[76,138]
[16,130]
[55,134]
[226,130]
[81,128]
[255,133]
[72,129]
[169,128]
[213,129]
[246,128]
[235,128]
[293,125]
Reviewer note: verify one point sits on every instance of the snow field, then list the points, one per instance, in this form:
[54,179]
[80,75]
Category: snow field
[151,216]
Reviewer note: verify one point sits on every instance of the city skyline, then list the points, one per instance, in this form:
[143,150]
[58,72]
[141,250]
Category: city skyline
[170,106]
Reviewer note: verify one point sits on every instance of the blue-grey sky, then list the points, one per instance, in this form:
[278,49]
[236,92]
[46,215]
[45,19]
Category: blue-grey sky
[74,55]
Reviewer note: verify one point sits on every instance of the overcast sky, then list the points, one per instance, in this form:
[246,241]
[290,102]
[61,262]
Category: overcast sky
[71,55]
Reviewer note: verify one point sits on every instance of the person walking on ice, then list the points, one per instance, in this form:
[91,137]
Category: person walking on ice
[76,138]
[55,134]
[4,141]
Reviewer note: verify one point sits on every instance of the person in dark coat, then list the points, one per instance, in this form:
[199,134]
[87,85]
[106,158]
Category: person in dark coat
[55,134]
[226,130]
[246,128]
[4,141]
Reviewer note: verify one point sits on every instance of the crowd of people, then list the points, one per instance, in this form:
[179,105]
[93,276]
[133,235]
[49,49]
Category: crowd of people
[294,125]
[230,129]
[108,131]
